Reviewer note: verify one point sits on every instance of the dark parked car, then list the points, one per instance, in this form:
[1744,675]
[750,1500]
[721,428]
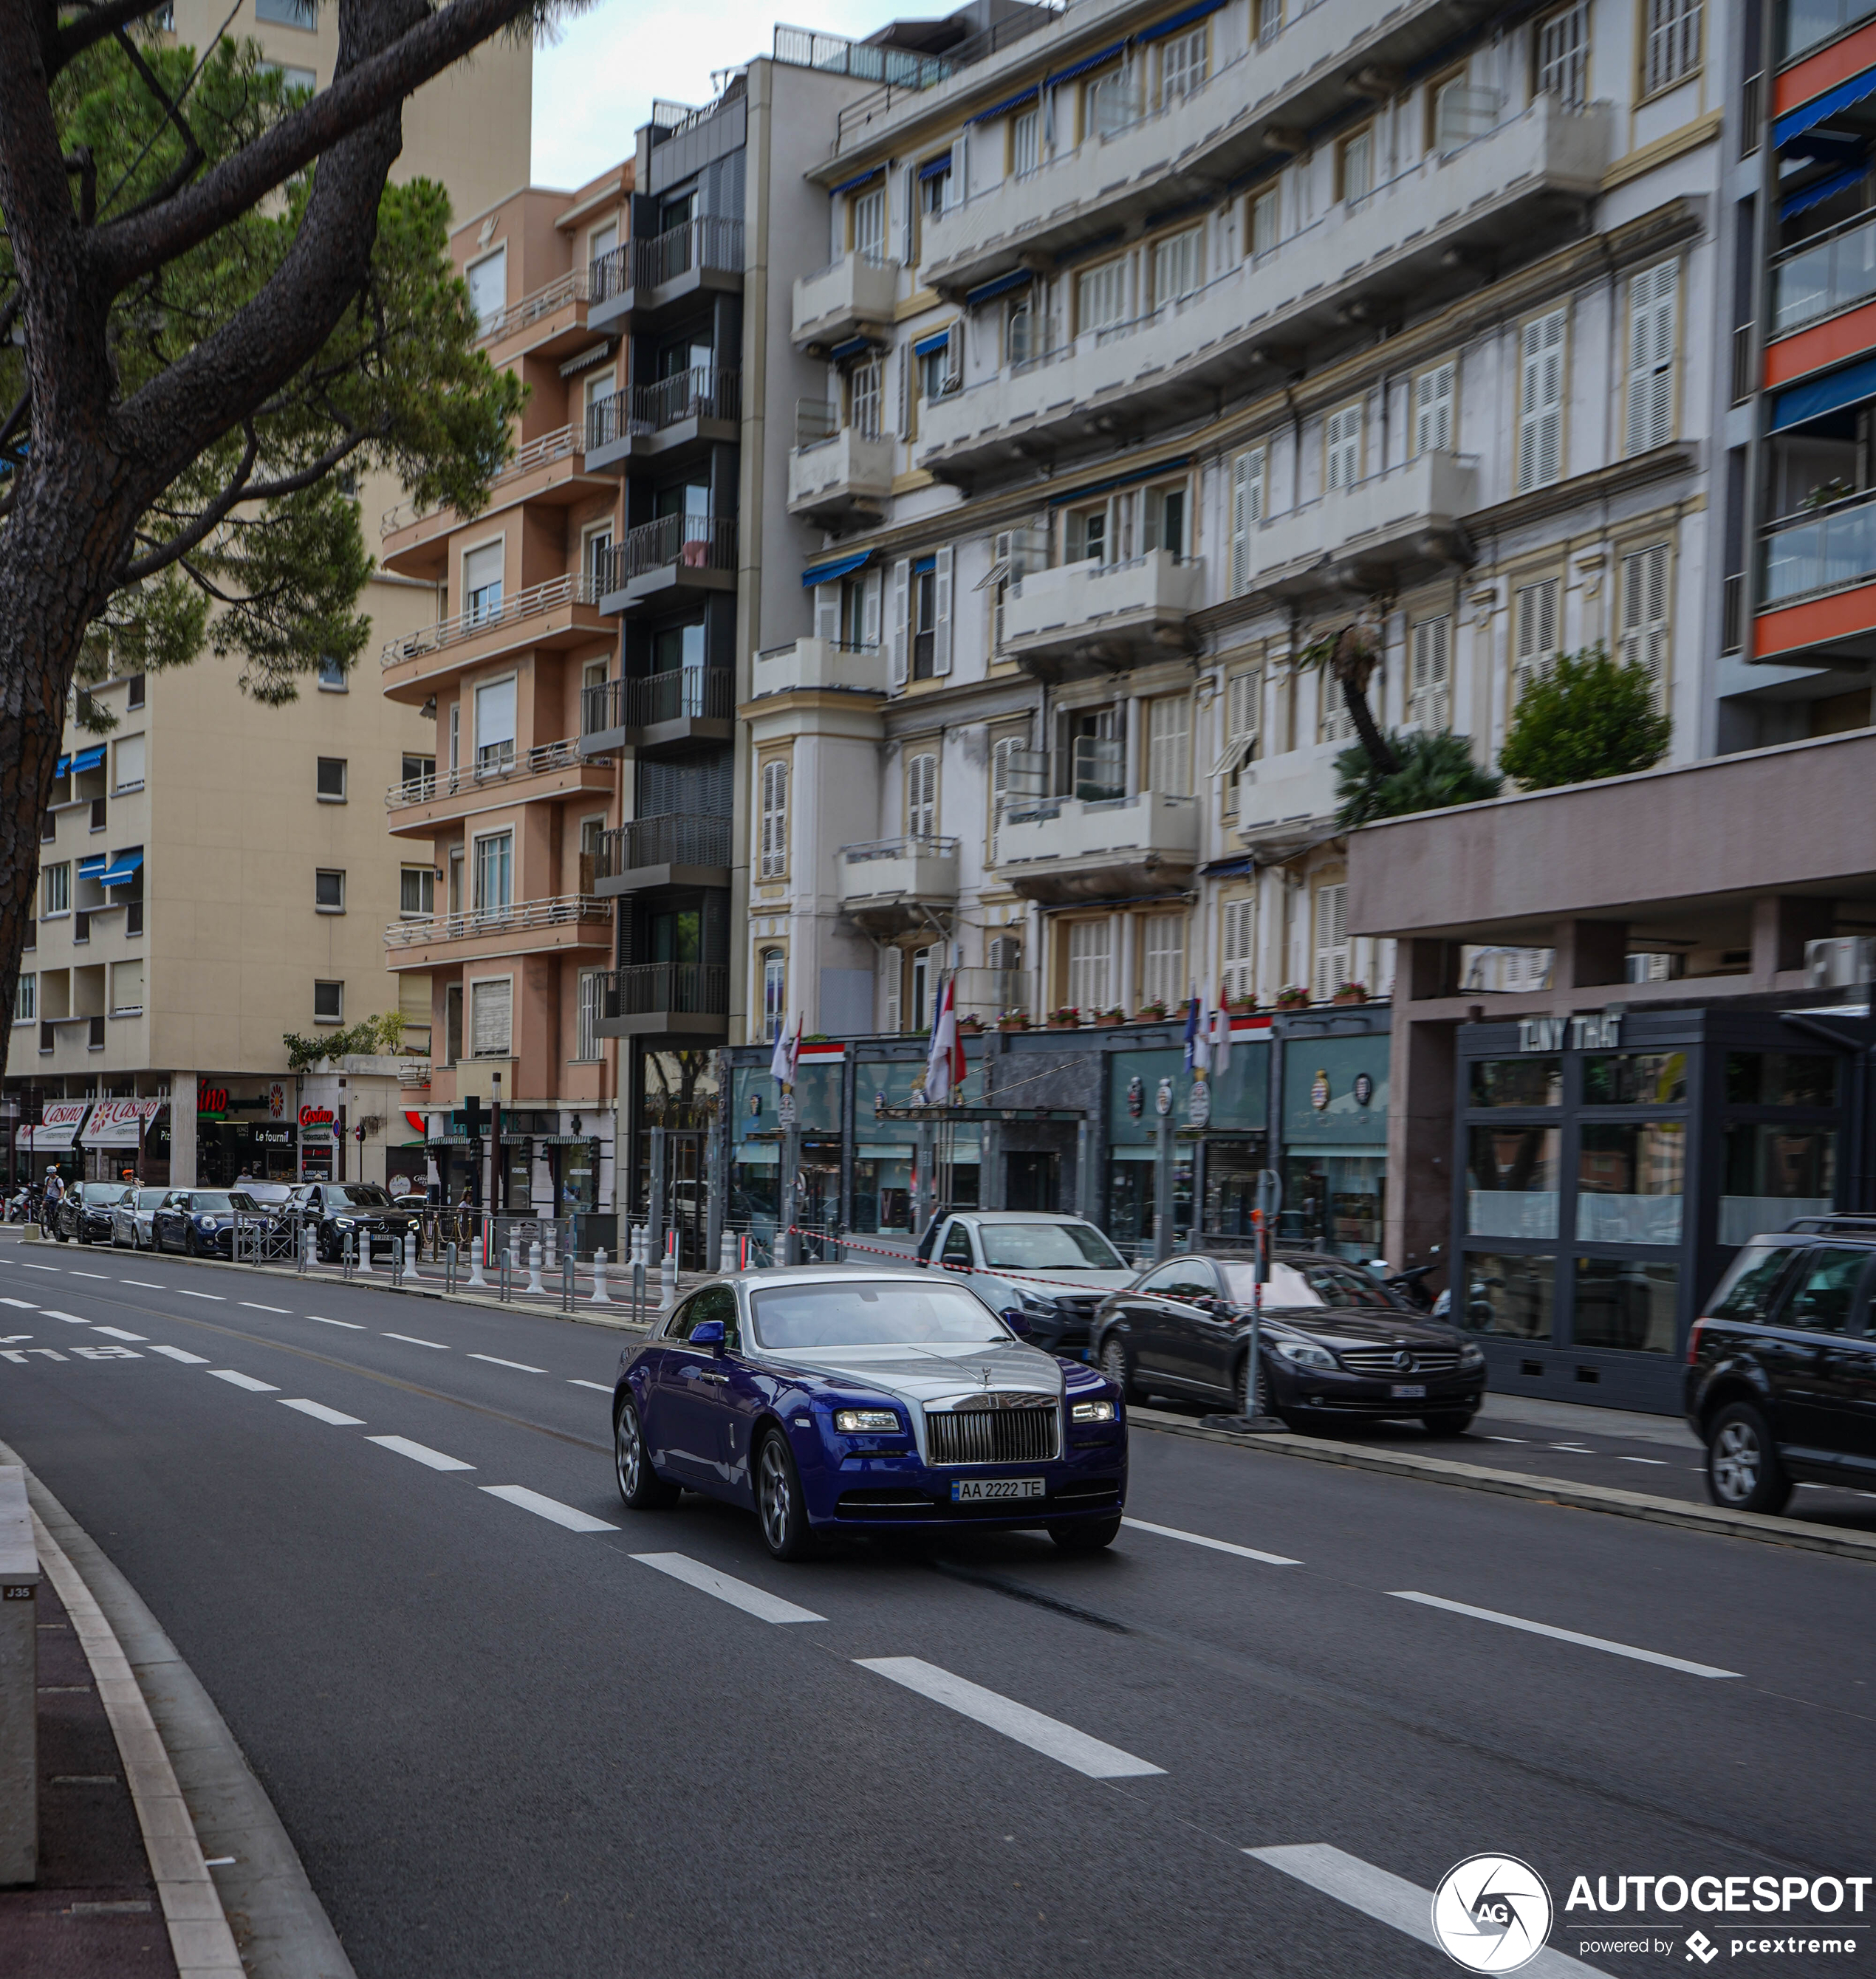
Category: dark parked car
[199,1222]
[85,1212]
[1336,1348]
[1781,1381]
[362,1211]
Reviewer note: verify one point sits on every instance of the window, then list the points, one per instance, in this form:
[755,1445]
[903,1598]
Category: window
[482,582]
[329,1003]
[1084,536]
[1459,113]
[1100,296]
[1163,960]
[1540,401]
[1247,482]
[331,780]
[1331,941]
[1355,166]
[863,393]
[1025,139]
[592,1008]
[292,78]
[495,724]
[332,677]
[452,1023]
[935,184]
[1237,947]
[417,892]
[1650,411]
[1243,708]
[1673,51]
[134,696]
[775,841]
[1269,21]
[1342,446]
[1019,329]
[329,891]
[1178,265]
[1111,106]
[1645,613]
[601,241]
[26,1000]
[1429,695]
[921,796]
[126,988]
[1088,943]
[775,990]
[1169,745]
[1163,519]
[491,1017]
[1266,213]
[1182,66]
[55,887]
[494,877]
[488,287]
[1334,723]
[288,13]
[129,763]
[869,223]
[1563,56]
[1534,633]
[938,366]
[1432,409]
[596,546]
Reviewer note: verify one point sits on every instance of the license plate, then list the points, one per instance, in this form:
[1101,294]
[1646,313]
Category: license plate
[1409,1391]
[974,1490]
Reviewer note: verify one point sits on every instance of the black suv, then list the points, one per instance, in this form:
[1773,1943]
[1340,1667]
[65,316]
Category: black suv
[361,1211]
[1781,1367]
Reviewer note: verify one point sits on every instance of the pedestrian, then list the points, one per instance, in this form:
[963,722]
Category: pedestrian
[244,1177]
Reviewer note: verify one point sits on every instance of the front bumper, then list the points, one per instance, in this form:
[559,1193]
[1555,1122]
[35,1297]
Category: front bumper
[1362,1397]
[904,1493]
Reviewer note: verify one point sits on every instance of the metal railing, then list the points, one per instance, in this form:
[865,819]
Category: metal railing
[902,71]
[690,542]
[679,693]
[556,592]
[1824,551]
[1807,23]
[816,420]
[539,761]
[704,391]
[709,241]
[541,453]
[669,838]
[518,917]
[656,989]
[574,286]
[909,845]
[1830,272]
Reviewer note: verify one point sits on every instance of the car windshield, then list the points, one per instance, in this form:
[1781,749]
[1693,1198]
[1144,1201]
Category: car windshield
[883,1314]
[1300,1287]
[211,1202]
[365,1192]
[104,1192]
[1047,1247]
[269,1191]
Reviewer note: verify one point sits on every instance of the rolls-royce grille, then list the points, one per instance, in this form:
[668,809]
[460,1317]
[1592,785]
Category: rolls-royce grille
[1399,1360]
[992,1436]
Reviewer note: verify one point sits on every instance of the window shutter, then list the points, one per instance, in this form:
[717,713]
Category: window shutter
[490,1007]
[909,374]
[827,611]
[1343,435]
[1651,357]
[1540,422]
[1433,410]
[869,610]
[1238,946]
[1246,513]
[775,827]
[1331,940]
[1429,692]
[909,223]
[1645,613]
[921,796]
[957,182]
[1243,693]
[1535,635]
[942,614]
[898,636]
[954,357]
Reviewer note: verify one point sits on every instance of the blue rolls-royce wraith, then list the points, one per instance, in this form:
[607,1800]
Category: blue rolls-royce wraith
[844,1399]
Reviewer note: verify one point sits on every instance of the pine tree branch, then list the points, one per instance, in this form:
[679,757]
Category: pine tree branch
[135,570]
[96,23]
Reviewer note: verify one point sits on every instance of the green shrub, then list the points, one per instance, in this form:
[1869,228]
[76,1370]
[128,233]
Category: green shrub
[1435,771]
[1588,717]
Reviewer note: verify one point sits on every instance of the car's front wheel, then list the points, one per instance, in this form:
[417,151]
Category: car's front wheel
[1447,1422]
[639,1485]
[1089,1536]
[1743,1471]
[779,1508]
[188,1241]
[1118,1365]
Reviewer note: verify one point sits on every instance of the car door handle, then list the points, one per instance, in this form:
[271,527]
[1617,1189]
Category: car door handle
[720,1379]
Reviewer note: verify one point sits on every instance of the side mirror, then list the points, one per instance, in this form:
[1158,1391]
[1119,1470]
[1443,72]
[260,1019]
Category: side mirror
[709,1333]
[1014,1319]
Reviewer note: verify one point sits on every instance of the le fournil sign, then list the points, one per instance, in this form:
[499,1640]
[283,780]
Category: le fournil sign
[1551,1034]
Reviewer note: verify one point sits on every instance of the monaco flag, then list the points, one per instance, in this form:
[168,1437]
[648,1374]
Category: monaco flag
[945,1063]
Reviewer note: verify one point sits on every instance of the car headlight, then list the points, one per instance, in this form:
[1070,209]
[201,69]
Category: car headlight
[345,1222]
[1306,1355]
[1034,1302]
[1091,1412]
[1471,1356]
[859,1422]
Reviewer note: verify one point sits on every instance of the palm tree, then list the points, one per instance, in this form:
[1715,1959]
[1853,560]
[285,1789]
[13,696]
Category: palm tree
[1349,658]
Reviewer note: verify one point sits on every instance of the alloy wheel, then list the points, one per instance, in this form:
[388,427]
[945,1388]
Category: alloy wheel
[1114,1363]
[775,1495]
[1736,1461]
[628,1453]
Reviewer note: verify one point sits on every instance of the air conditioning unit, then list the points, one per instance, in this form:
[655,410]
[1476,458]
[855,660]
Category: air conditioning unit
[1840,963]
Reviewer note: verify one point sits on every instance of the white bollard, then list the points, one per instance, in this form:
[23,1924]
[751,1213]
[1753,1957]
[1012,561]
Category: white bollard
[726,1252]
[667,1276]
[410,1255]
[535,1288]
[477,1282]
[312,1248]
[600,1296]
[639,1234]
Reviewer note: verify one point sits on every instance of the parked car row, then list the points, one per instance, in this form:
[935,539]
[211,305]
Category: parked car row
[201,1223]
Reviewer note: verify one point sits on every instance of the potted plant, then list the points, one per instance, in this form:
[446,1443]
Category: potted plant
[1067,1019]
[1152,1011]
[1244,1007]
[1293,996]
[1106,1018]
[1013,1020]
[1350,993]
[970,1025]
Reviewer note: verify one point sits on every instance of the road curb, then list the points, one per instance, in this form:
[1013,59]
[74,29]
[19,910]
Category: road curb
[1520,1484]
[264,1894]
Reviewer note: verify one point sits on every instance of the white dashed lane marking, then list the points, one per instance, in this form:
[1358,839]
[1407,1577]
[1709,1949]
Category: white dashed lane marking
[756,1601]
[254,1305]
[419,1453]
[604,1387]
[320,1413]
[215,1296]
[237,1380]
[574,1520]
[117,1333]
[1216,1545]
[411,1340]
[24,1305]
[351,1326]
[70,1318]
[103,1278]
[144,1284]
[1563,1635]
[520,1367]
[177,1354]
[39,1267]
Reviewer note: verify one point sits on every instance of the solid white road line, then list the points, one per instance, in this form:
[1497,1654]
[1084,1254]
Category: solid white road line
[1563,1635]
[520,1367]
[549,1508]
[247,1381]
[350,1325]
[1216,1545]
[1048,1736]
[24,1305]
[70,1318]
[117,1333]
[604,1387]
[1388,1899]
[419,1453]
[410,1340]
[215,1296]
[320,1413]
[756,1601]
[177,1354]
[254,1305]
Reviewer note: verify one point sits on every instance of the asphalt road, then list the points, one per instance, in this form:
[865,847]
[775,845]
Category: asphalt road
[507,1746]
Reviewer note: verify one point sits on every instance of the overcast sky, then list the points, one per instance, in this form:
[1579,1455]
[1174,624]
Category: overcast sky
[594,87]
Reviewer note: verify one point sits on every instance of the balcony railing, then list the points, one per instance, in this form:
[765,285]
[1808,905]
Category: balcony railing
[518,918]
[1807,23]
[688,542]
[552,596]
[909,845]
[653,988]
[542,452]
[1824,551]
[1830,273]
[708,242]
[539,761]
[671,838]
[574,286]
[681,694]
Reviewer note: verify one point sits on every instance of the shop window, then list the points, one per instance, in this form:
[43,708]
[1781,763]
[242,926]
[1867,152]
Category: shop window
[1511,1181]
[329,1003]
[1333,1202]
[1626,1303]
[1631,1182]
[1510,1295]
[1517,1082]
[1780,1079]
[1772,1173]
[1636,1078]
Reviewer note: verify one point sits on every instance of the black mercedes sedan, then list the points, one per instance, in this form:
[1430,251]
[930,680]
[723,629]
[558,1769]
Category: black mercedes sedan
[1335,1347]
[84,1212]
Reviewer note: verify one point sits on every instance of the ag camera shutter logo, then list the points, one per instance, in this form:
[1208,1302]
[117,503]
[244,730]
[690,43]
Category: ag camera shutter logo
[1491,1914]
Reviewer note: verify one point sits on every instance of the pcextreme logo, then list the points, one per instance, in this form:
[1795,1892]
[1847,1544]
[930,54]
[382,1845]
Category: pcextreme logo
[1491,1914]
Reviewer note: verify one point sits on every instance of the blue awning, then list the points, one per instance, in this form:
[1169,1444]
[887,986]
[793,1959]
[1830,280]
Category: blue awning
[923,565]
[1008,103]
[1796,123]
[853,347]
[89,869]
[1178,20]
[65,764]
[1086,62]
[1825,188]
[122,870]
[936,341]
[986,291]
[1227,869]
[932,166]
[826,573]
[1089,490]
[87,759]
[1830,393]
[859,179]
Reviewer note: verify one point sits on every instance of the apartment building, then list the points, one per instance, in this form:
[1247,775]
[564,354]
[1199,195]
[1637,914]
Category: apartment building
[503,820]
[1156,346]
[215,873]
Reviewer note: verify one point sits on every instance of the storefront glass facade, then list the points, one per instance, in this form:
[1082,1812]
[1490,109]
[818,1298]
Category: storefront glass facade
[1335,1142]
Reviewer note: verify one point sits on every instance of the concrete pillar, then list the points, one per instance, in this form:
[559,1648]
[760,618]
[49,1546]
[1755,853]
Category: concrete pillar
[1590,954]
[182,1151]
[1421,1179]
[1781,925]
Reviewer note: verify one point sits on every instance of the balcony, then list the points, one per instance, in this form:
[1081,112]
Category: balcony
[553,770]
[548,322]
[667,998]
[1380,535]
[1517,191]
[1062,849]
[678,419]
[1288,800]
[673,849]
[564,612]
[1818,584]
[682,704]
[837,477]
[635,285]
[558,926]
[853,296]
[1084,618]
[1822,293]
[672,553]
[893,885]
[821,665]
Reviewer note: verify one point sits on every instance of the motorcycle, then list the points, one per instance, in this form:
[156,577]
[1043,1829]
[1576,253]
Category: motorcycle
[1409,1286]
